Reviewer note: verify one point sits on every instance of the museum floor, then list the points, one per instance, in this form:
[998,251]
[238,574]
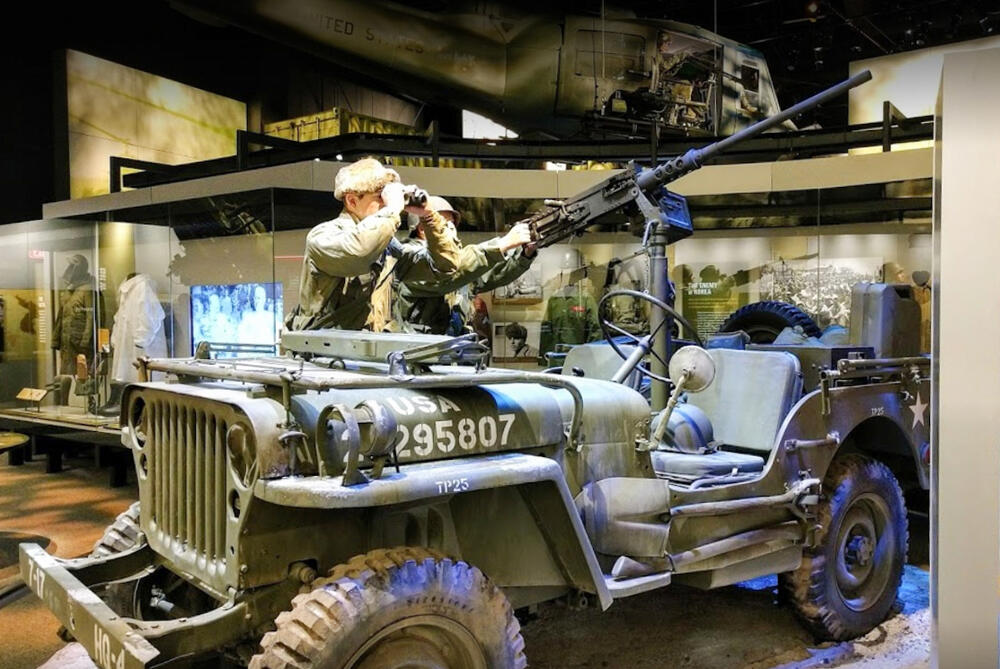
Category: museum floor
[739,626]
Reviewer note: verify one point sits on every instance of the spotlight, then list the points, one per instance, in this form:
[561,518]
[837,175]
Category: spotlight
[812,10]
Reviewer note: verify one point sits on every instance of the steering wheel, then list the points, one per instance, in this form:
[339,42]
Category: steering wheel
[608,327]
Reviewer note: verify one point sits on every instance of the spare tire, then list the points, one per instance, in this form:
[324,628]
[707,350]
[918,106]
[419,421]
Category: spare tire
[764,321]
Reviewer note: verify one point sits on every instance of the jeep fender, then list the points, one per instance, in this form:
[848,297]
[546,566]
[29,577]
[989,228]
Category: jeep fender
[872,418]
[512,514]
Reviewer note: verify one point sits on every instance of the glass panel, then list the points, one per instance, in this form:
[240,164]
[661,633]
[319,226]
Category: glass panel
[140,316]
[893,319]
[608,54]
[553,306]
[222,281]
[19,307]
[53,306]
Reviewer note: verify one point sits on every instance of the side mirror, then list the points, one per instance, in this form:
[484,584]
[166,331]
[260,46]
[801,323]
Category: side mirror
[691,369]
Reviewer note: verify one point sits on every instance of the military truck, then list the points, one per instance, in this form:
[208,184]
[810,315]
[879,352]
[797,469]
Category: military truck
[371,500]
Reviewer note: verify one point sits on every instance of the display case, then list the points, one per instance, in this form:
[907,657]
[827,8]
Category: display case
[205,269]
[55,318]
[803,249]
[84,298]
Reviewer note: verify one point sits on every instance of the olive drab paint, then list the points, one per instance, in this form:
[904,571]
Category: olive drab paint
[539,72]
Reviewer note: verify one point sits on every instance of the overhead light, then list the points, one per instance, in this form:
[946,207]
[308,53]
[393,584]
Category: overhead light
[812,10]
[340,156]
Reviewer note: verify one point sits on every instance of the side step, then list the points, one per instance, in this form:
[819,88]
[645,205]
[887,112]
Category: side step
[627,587]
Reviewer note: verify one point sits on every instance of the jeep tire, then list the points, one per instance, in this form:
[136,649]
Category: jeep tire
[848,582]
[395,608]
[121,535]
[764,321]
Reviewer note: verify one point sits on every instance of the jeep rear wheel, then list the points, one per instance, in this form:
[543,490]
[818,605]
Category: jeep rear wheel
[847,584]
[396,608]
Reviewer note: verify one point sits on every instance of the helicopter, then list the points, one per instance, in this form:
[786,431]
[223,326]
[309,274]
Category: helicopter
[542,74]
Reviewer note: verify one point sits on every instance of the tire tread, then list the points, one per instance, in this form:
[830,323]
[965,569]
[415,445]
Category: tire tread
[805,587]
[343,594]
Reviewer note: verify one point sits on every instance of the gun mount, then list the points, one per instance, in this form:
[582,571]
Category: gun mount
[666,215]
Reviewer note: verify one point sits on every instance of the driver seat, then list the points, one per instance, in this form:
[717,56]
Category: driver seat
[746,404]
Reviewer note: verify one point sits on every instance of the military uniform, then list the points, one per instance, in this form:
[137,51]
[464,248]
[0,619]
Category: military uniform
[422,306]
[344,282]
[569,319]
[73,331]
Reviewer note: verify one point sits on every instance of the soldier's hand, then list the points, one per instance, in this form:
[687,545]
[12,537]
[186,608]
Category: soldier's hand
[393,196]
[519,235]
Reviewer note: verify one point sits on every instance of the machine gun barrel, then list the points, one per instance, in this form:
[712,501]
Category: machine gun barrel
[571,217]
[671,170]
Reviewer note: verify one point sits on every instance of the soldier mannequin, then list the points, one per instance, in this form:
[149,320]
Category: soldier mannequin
[664,63]
[422,306]
[349,259]
[73,330]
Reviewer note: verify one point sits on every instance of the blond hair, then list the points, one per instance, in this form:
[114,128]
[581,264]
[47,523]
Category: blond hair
[363,176]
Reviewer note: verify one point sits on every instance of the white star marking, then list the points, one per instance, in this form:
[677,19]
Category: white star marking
[918,408]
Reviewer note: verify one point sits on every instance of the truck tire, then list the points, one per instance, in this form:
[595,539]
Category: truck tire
[120,535]
[764,321]
[396,607]
[848,582]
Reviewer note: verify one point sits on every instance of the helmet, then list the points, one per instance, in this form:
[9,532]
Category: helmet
[439,204]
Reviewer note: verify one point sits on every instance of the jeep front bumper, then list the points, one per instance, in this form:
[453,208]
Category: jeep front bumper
[114,641]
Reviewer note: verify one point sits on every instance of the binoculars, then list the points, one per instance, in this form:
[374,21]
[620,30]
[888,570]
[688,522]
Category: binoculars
[414,196]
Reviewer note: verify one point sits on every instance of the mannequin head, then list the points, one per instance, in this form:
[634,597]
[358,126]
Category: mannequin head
[359,186]
[76,269]
[894,273]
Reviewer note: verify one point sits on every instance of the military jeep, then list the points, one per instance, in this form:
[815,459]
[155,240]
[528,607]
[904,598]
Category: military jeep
[341,511]
[378,500]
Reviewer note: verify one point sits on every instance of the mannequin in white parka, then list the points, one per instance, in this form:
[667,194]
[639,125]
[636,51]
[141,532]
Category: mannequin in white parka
[138,328]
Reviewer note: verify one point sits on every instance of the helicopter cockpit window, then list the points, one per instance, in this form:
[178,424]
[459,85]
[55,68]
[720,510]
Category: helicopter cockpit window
[750,78]
[749,96]
[608,55]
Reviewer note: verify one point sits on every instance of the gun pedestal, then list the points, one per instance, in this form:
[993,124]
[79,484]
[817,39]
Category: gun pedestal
[660,289]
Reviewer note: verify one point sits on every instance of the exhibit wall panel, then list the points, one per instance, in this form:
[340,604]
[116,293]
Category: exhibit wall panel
[965,560]
[114,110]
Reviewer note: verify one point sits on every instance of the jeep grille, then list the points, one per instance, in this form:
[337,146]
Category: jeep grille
[186,450]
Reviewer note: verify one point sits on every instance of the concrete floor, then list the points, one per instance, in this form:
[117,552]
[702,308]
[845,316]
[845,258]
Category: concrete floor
[736,627]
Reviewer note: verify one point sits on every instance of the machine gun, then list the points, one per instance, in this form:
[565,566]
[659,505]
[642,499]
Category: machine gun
[645,189]
[667,220]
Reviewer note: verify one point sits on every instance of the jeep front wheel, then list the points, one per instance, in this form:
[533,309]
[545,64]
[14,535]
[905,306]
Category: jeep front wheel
[121,535]
[847,584]
[395,608]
